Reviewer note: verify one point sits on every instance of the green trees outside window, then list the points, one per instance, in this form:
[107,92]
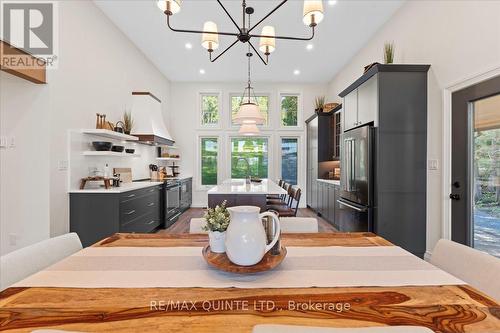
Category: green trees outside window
[209,109]
[262,101]
[289,162]
[209,152]
[289,110]
[253,150]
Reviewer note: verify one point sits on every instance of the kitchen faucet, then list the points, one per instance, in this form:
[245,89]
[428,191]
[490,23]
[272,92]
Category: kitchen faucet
[248,179]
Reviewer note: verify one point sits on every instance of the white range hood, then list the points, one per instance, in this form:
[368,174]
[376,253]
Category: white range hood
[149,125]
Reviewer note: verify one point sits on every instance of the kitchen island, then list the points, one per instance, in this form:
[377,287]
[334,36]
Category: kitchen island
[237,193]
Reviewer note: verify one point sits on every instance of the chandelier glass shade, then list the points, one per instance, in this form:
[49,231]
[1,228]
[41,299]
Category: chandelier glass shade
[313,12]
[248,130]
[210,39]
[312,15]
[249,113]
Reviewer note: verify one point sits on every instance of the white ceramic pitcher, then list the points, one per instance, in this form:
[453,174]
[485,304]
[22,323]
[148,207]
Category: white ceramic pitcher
[246,241]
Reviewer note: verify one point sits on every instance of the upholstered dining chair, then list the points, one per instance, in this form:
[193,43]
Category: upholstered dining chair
[288,225]
[480,270]
[19,264]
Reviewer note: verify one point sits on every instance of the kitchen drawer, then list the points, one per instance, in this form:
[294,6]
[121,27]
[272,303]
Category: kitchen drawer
[142,224]
[132,195]
[132,209]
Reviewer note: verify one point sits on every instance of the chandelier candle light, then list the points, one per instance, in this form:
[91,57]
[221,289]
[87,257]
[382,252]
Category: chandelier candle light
[312,15]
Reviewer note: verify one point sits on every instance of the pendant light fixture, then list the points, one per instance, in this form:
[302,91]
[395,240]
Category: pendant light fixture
[249,115]
[312,15]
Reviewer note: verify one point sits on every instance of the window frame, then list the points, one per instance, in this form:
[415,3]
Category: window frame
[299,125]
[220,145]
[270,145]
[269,118]
[219,124]
[280,156]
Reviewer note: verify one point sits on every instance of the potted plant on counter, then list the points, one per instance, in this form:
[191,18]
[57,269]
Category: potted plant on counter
[217,222]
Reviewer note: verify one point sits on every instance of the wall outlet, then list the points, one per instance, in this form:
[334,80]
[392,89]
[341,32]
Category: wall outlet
[62,165]
[12,142]
[432,164]
[12,239]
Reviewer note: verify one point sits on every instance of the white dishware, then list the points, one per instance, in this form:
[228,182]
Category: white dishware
[217,241]
[246,241]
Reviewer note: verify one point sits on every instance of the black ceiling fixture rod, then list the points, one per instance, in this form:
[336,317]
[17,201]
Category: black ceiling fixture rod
[243,33]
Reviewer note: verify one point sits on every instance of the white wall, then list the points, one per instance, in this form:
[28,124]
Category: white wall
[185,113]
[98,69]
[459,39]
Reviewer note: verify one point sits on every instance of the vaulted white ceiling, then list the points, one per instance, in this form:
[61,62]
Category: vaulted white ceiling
[347,26]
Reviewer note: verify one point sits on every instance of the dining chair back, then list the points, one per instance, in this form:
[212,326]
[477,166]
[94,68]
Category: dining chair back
[24,262]
[480,270]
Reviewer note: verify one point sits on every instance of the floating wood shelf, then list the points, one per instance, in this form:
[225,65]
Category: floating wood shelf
[110,134]
[108,153]
[22,64]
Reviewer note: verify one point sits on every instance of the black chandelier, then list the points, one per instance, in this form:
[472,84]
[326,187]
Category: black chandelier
[312,15]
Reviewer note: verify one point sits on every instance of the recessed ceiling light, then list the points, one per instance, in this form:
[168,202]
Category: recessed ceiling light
[332,2]
[296,72]
[202,71]
[309,47]
[188,46]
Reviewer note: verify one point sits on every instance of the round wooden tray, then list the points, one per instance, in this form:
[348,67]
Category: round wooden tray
[222,262]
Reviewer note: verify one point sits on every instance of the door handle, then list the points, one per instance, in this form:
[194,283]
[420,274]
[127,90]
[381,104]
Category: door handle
[455,196]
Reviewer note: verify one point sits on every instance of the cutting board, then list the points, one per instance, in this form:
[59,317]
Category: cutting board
[125,174]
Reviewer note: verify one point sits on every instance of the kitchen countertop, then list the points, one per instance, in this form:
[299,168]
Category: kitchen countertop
[123,188]
[238,186]
[330,181]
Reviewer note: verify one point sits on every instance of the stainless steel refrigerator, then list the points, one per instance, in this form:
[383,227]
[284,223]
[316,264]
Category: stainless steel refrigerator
[355,210]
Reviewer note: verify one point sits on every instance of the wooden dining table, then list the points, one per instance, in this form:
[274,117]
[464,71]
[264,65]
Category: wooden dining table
[450,308]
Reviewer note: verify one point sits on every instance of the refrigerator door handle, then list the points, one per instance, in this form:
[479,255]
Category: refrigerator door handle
[342,202]
[353,165]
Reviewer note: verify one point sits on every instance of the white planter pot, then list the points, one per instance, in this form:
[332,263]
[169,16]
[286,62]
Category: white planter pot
[217,241]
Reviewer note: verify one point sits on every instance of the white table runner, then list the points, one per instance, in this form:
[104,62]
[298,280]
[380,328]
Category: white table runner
[143,267]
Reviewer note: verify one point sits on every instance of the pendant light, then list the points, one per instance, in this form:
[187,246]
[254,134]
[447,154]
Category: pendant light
[248,130]
[249,111]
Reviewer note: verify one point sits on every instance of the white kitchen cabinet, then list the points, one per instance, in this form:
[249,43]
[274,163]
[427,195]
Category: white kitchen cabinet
[368,101]
[350,110]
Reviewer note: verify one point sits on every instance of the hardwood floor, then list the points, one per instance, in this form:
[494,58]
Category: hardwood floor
[182,224]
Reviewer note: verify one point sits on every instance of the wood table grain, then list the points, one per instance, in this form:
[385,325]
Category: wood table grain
[440,308]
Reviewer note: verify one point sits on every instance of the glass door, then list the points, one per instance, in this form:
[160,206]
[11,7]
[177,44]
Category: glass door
[485,153]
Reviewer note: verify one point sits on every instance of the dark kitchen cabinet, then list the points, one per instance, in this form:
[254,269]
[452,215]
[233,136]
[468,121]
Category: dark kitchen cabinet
[186,193]
[329,128]
[312,163]
[95,216]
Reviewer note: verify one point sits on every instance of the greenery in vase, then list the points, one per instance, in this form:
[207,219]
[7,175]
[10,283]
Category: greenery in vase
[389,53]
[217,218]
[319,103]
[128,122]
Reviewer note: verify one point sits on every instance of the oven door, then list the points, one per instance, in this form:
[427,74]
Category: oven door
[172,201]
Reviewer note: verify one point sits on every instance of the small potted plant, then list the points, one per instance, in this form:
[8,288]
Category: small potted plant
[128,122]
[217,222]
[389,53]
[319,104]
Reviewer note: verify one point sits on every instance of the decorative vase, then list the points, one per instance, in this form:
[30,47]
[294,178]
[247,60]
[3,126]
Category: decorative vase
[246,241]
[217,241]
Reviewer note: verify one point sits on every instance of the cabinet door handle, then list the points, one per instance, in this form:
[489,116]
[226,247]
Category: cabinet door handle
[151,204]
[131,196]
[151,222]
[131,212]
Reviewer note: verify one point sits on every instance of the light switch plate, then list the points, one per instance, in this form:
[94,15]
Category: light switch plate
[62,165]
[432,164]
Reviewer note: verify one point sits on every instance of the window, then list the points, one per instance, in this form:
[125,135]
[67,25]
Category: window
[249,153]
[262,100]
[289,110]
[289,161]
[209,154]
[209,109]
